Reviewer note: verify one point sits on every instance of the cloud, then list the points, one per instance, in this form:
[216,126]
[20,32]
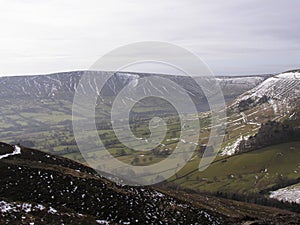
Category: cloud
[235,37]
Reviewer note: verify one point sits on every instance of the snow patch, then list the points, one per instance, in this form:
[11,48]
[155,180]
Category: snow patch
[287,194]
[6,207]
[290,75]
[52,210]
[102,222]
[233,148]
[17,151]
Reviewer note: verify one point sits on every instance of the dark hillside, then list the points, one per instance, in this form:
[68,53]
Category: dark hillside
[39,188]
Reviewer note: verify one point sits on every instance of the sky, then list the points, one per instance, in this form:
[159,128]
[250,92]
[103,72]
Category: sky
[232,37]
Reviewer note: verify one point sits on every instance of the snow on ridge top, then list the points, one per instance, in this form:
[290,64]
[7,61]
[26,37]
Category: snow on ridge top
[248,81]
[290,75]
[127,74]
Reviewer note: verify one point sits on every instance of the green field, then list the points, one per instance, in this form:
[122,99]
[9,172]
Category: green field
[249,172]
[47,125]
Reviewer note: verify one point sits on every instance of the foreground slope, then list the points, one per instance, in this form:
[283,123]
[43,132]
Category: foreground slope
[63,190]
[39,188]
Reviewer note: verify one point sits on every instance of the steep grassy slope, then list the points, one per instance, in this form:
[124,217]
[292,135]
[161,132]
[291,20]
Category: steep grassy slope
[249,172]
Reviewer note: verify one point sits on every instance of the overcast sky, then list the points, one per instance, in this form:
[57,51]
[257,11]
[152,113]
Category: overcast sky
[233,37]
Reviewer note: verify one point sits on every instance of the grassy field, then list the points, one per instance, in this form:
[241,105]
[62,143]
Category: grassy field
[249,172]
[47,125]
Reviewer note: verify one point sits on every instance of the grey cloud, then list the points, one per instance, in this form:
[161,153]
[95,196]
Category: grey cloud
[234,37]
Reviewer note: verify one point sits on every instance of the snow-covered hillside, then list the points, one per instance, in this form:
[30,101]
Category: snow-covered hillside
[63,85]
[284,87]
